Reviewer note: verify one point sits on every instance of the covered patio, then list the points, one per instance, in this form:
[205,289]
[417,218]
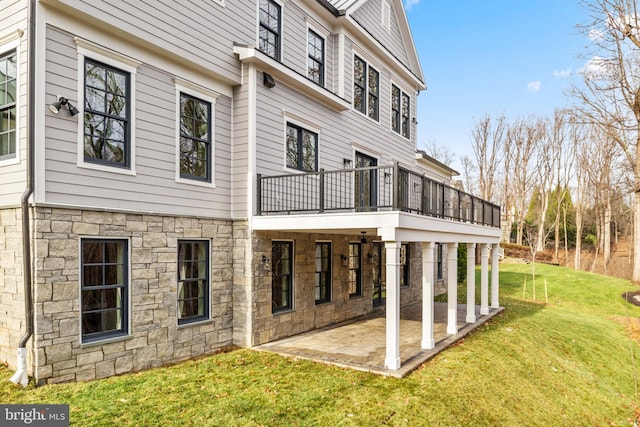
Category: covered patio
[360,343]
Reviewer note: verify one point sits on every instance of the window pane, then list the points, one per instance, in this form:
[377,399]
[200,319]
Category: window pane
[193,280]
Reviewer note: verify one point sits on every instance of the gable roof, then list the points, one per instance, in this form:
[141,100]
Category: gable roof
[348,7]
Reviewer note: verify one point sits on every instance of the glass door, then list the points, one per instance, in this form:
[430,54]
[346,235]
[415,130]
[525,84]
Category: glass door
[365,184]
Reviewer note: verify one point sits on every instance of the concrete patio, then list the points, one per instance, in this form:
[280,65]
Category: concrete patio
[360,343]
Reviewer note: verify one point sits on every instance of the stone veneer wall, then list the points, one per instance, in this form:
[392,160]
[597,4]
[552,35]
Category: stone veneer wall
[11,285]
[155,338]
[306,315]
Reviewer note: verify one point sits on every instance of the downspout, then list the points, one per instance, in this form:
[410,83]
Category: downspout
[21,376]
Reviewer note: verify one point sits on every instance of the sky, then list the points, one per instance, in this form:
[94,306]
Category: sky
[480,57]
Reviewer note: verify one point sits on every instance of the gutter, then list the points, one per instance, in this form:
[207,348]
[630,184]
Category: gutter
[21,376]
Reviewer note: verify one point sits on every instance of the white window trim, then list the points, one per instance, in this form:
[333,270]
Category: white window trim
[129,304]
[323,35]
[8,43]
[184,86]
[366,85]
[281,4]
[411,101]
[209,269]
[92,51]
[385,18]
[288,117]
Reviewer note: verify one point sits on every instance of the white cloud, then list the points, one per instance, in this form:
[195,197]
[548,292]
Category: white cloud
[596,68]
[534,86]
[562,73]
[408,4]
[596,34]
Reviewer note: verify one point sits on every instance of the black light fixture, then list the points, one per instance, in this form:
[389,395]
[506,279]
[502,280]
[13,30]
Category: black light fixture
[62,101]
[266,263]
[364,239]
[268,81]
[346,163]
[343,260]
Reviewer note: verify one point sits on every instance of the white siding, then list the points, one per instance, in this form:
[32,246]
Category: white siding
[14,17]
[153,188]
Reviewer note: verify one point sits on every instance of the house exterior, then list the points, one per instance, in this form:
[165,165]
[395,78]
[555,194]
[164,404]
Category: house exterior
[182,178]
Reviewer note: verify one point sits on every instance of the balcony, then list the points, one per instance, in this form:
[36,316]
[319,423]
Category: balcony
[371,189]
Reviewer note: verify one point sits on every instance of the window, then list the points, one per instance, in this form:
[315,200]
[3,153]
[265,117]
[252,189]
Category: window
[400,112]
[302,149]
[366,87]
[315,61]
[355,270]
[270,23]
[439,274]
[281,276]
[106,115]
[193,281]
[8,105]
[404,264]
[195,138]
[104,288]
[323,272]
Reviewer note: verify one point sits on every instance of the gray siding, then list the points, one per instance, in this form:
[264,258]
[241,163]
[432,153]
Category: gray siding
[202,32]
[153,188]
[338,132]
[240,149]
[369,15]
[14,16]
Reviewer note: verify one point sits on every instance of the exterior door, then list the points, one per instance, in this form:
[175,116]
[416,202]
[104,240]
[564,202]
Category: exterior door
[365,184]
[378,275]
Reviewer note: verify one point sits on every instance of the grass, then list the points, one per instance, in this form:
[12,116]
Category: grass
[565,363]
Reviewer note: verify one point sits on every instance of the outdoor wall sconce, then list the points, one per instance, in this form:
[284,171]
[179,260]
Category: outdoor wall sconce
[415,121]
[343,260]
[387,178]
[62,101]
[266,263]
[268,81]
[346,163]
[370,258]
[363,240]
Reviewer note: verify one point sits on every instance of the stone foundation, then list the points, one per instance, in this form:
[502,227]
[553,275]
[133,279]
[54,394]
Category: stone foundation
[154,335]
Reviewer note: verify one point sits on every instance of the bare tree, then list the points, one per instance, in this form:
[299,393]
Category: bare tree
[468,170]
[488,137]
[610,97]
[442,153]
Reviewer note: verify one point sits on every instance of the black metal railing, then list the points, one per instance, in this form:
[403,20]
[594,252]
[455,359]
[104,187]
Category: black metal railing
[377,188]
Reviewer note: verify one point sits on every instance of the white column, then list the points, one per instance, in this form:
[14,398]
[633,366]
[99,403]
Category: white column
[392,359]
[494,275]
[428,254]
[471,282]
[484,279]
[452,288]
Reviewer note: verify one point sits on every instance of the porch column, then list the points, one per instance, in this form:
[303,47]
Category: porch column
[494,275]
[392,359]
[452,288]
[471,282]
[428,253]
[484,279]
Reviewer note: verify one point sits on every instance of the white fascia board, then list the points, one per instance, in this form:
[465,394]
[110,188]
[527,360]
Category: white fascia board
[251,55]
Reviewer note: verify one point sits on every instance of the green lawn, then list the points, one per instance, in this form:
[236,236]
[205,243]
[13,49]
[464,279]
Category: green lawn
[565,363]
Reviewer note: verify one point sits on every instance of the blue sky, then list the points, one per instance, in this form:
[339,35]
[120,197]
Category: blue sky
[492,56]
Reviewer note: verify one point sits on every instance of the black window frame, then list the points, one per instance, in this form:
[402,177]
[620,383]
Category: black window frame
[193,265]
[91,113]
[105,268]
[400,112]
[282,274]
[300,148]
[323,267]
[405,261]
[266,8]
[10,109]
[193,139]
[313,51]
[355,269]
[366,89]
[439,262]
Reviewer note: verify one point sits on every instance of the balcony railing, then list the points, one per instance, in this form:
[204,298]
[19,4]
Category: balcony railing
[370,189]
